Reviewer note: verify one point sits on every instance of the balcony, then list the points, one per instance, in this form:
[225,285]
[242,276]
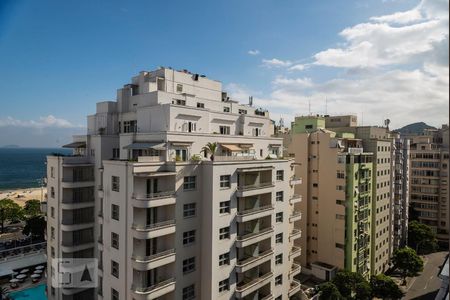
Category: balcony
[296,216]
[81,182]
[254,213]
[154,199]
[154,230]
[247,287]
[295,180]
[296,269]
[294,288]
[144,263]
[295,199]
[295,252]
[155,291]
[254,189]
[295,234]
[253,237]
[253,261]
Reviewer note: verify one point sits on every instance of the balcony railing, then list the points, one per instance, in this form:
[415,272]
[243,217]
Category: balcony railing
[254,210]
[155,195]
[259,185]
[151,288]
[154,256]
[254,234]
[295,215]
[233,158]
[251,259]
[242,286]
[154,226]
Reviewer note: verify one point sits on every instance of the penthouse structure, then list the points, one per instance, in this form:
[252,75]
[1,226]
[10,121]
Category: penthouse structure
[166,219]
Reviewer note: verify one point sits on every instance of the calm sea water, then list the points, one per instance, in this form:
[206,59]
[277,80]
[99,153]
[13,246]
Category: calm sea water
[23,167]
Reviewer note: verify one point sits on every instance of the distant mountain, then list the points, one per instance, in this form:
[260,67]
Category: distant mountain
[414,128]
[10,146]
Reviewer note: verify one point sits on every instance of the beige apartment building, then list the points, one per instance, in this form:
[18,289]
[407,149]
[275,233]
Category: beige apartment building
[164,219]
[429,181]
[337,206]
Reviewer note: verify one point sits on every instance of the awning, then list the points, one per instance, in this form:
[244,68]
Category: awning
[245,146]
[149,145]
[181,144]
[275,145]
[75,145]
[231,147]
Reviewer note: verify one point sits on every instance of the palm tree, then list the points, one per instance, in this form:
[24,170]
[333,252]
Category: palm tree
[3,293]
[210,148]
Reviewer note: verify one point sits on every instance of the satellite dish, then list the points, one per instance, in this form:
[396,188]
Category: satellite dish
[387,122]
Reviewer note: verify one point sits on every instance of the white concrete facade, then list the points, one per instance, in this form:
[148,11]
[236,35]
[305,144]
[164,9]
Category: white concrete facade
[170,222]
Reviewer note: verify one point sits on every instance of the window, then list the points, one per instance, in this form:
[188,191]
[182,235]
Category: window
[114,294]
[340,246]
[189,183]
[189,292]
[315,184]
[279,238]
[280,175]
[339,187]
[242,112]
[188,237]
[52,172]
[200,105]
[224,130]
[179,102]
[116,153]
[226,109]
[115,183]
[279,217]
[52,212]
[114,240]
[115,269]
[279,280]
[189,210]
[279,196]
[52,192]
[224,233]
[225,181]
[115,212]
[256,131]
[224,259]
[224,285]
[225,207]
[52,233]
[189,265]
[53,252]
[340,202]
[340,217]
[279,259]
[340,174]
[179,88]
[308,127]
[129,126]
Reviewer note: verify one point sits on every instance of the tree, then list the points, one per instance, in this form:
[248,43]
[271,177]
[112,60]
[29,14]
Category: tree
[407,262]
[329,291]
[384,287]
[210,148]
[350,284]
[4,293]
[9,211]
[421,238]
[35,226]
[32,208]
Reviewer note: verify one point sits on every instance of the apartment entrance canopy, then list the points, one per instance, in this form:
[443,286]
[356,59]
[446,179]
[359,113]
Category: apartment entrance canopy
[146,145]
[231,147]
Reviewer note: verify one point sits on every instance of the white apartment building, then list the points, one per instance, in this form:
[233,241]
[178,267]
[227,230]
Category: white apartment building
[165,220]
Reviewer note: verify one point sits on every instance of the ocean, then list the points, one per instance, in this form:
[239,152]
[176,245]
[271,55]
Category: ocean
[24,167]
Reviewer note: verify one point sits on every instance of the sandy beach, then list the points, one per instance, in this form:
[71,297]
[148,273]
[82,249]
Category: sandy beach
[20,196]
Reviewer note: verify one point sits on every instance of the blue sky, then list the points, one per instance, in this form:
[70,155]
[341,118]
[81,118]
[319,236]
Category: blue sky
[58,58]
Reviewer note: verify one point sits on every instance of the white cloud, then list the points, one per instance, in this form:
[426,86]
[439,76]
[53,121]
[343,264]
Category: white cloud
[298,67]
[42,122]
[276,63]
[400,17]
[253,52]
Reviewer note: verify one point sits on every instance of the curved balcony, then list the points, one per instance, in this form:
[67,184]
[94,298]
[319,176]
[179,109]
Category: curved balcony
[71,184]
[254,189]
[77,226]
[144,263]
[247,287]
[254,213]
[70,248]
[155,291]
[253,261]
[295,180]
[254,237]
[154,199]
[296,216]
[296,269]
[153,230]
[295,234]
[294,288]
[295,252]
[295,199]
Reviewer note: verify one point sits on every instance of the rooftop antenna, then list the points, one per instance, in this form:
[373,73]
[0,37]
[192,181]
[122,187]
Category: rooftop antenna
[281,122]
[250,100]
[309,106]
